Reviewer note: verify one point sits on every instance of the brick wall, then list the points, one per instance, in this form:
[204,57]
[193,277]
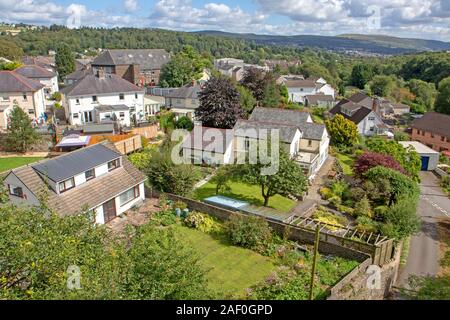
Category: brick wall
[433,141]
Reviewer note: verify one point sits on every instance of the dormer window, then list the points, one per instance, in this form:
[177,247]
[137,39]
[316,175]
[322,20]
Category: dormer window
[90,174]
[16,191]
[66,185]
[113,164]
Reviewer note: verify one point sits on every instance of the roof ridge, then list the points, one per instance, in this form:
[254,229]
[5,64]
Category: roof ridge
[19,76]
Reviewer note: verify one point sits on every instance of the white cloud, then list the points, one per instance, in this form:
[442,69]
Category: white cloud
[130,5]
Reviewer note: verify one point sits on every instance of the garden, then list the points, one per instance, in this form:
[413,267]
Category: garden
[15,162]
[247,260]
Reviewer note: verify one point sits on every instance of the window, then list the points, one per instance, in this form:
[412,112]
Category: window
[75,115]
[66,185]
[5,98]
[25,98]
[30,111]
[121,96]
[90,174]
[94,98]
[309,143]
[129,195]
[77,101]
[16,191]
[122,115]
[135,95]
[113,164]
[247,144]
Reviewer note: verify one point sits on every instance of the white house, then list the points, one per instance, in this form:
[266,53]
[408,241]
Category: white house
[48,78]
[95,179]
[26,93]
[299,88]
[99,98]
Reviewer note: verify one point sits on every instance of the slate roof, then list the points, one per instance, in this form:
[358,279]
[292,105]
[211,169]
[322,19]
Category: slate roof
[313,131]
[434,122]
[35,71]
[315,98]
[120,107]
[359,115]
[287,131]
[300,83]
[77,75]
[14,82]
[73,163]
[90,194]
[92,85]
[199,133]
[186,92]
[147,59]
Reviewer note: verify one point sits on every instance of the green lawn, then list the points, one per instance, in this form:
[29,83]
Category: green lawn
[245,192]
[231,269]
[346,163]
[11,163]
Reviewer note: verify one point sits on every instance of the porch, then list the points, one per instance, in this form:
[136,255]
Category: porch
[308,161]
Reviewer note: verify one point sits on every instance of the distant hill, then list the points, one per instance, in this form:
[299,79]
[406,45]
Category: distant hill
[368,44]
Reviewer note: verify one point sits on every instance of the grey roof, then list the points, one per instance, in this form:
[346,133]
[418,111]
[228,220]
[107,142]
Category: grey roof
[35,71]
[14,82]
[358,115]
[76,162]
[313,131]
[186,92]
[315,98]
[300,83]
[279,115]
[98,128]
[147,59]
[287,132]
[92,85]
[202,142]
[120,107]
[77,75]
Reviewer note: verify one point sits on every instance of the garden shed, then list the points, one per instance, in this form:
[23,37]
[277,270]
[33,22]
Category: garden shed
[429,157]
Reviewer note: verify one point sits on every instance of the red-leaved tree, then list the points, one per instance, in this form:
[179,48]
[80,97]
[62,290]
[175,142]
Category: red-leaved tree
[369,160]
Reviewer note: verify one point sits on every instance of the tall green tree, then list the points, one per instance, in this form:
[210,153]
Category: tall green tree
[65,60]
[382,85]
[248,101]
[220,104]
[343,132]
[361,75]
[425,93]
[10,50]
[20,134]
[272,96]
[443,99]
[256,81]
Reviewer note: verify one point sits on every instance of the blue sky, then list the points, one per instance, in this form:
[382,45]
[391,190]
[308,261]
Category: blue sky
[429,19]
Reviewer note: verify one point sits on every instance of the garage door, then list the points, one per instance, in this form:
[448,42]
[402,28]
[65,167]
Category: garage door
[425,161]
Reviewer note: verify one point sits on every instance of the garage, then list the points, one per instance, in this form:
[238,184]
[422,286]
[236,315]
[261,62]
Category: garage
[429,157]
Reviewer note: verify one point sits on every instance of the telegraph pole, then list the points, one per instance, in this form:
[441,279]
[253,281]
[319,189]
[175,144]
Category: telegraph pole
[316,253]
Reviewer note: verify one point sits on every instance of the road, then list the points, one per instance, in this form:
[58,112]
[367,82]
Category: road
[434,205]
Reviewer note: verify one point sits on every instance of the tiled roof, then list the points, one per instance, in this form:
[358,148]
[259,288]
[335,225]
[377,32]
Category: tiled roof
[145,58]
[90,194]
[300,83]
[34,71]
[359,115]
[434,122]
[92,85]
[315,98]
[14,82]
[186,92]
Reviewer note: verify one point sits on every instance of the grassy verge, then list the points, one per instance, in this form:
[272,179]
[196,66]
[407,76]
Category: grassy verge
[405,251]
[245,192]
[14,162]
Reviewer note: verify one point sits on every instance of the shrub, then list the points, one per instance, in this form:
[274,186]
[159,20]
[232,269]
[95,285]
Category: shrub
[362,208]
[324,216]
[326,193]
[249,232]
[380,212]
[401,219]
[180,205]
[357,193]
[372,159]
[166,217]
[335,201]
[366,224]
[339,188]
[202,222]
[346,210]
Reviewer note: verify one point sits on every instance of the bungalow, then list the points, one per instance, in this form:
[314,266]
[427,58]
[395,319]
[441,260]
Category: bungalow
[320,100]
[95,179]
[26,93]
[364,112]
[298,88]
[388,108]
[103,98]
[47,78]
[184,101]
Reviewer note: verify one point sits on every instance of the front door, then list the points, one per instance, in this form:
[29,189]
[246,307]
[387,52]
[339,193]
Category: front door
[88,116]
[109,210]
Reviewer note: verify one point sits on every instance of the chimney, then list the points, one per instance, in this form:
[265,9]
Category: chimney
[100,73]
[375,105]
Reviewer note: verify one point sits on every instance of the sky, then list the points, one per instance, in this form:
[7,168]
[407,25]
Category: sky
[427,19]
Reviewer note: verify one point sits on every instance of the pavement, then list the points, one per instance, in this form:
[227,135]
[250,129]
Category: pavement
[434,206]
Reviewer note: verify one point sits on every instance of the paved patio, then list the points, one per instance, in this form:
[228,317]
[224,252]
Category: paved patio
[136,217]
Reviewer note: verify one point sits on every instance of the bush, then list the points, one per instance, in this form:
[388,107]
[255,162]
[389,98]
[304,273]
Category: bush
[380,212]
[362,208]
[249,232]
[202,222]
[326,193]
[401,219]
[366,224]
[346,210]
[335,201]
[166,217]
[180,205]
[339,188]
[357,193]
[322,215]
[372,159]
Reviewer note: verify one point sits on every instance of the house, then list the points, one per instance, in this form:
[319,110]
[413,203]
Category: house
[47,78]
[433,130]
[141,67]
[208,145]
[84,63]
[320,100]
[299,88]
[428,156]
[184,101]
[305,141]
[153,105]
[46,62]
[388,108]
[282,64]
[283,78]
[95,179]
[26,93]
[103,98]
[363,111]
[230,67]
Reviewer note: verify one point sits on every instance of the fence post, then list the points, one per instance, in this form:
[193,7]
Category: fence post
[316,253]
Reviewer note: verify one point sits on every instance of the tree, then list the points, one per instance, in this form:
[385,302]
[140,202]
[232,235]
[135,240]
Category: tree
[425,93]
[184,123]
[289,180]
[10,66]
[362,208]
[272,96]
[408,158]
[248,101]
[443,98]
[220,105]
[183,68]
[10,50]
[20,135]
[65,60]
[370,160]
[361,75]
[343,132]
[382,85]
[255,81]
[401,219]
